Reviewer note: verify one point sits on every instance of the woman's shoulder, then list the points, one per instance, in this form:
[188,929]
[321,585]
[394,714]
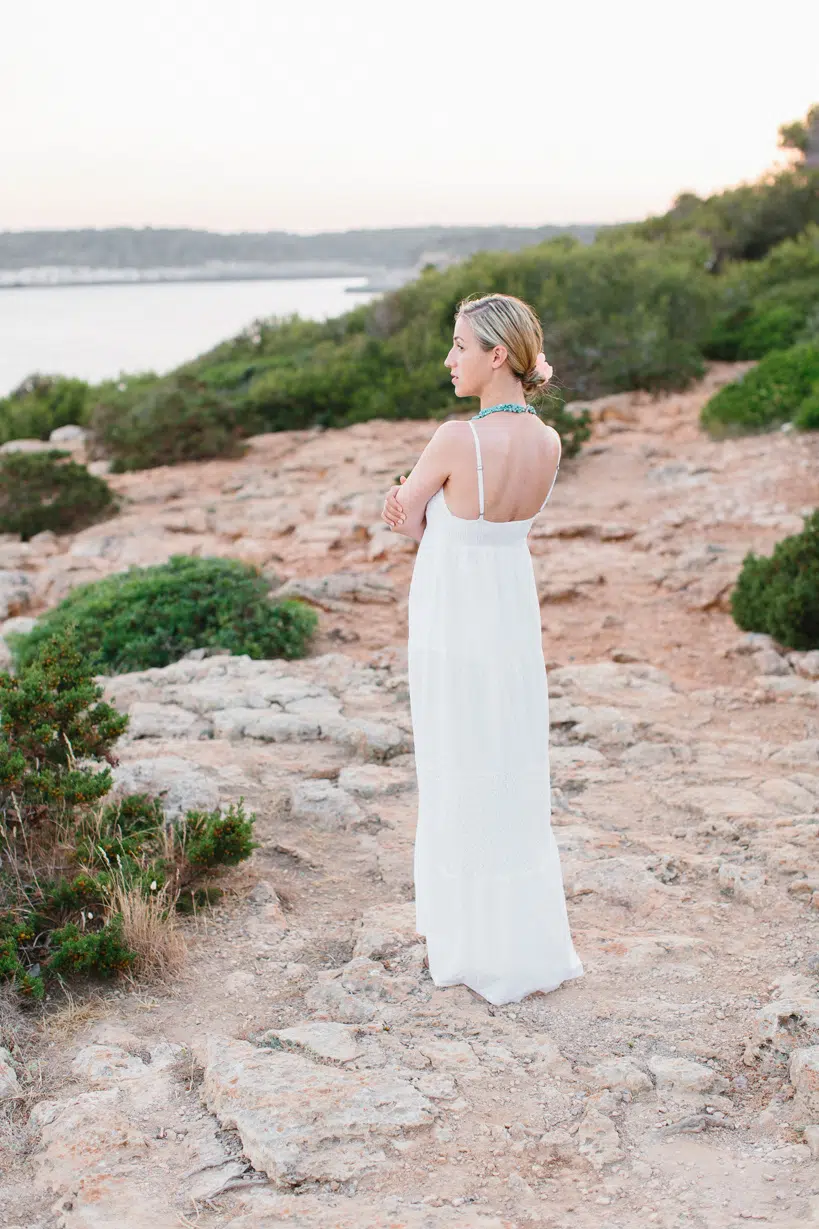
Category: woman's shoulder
[554,435]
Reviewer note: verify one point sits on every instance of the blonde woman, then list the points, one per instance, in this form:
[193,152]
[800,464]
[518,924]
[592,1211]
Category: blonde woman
[488,883]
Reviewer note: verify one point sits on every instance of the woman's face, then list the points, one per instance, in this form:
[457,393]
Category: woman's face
[470,364]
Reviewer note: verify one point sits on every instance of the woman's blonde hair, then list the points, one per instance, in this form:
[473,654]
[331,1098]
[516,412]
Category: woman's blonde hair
[503,320]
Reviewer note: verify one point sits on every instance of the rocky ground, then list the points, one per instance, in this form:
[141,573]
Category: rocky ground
[304,1070]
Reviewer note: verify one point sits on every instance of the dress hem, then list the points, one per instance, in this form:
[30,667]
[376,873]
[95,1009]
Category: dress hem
[571,975]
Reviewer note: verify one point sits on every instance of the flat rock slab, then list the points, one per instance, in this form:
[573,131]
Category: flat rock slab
[267,1209]
[302,1121]
[326,1038]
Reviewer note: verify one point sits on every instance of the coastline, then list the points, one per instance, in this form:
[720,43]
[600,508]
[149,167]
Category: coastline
[52,277]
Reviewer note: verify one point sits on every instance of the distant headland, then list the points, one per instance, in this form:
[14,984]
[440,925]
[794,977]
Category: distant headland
[387,258]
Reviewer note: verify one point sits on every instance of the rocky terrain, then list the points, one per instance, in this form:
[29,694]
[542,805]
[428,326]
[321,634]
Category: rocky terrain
[304,1070]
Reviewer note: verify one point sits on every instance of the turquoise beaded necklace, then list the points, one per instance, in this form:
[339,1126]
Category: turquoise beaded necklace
[507,405]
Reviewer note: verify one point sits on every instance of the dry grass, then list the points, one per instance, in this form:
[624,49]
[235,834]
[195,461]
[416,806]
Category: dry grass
[150,928]
[38,1080]
[61,1023]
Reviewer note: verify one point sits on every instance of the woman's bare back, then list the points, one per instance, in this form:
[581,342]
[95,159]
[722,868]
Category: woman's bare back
[520,458]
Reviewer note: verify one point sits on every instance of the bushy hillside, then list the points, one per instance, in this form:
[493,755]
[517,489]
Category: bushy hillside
[733,276]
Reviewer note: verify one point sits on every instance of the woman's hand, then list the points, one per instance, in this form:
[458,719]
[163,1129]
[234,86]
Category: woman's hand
[393,512]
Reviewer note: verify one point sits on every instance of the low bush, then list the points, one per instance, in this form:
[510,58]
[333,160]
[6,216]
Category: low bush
[165,422]
[152,616]
[41,404]
[88,887]
[768,305]
[779,594]
[742,223]
[46,490]
[766,396]
[806,417]
[618,314]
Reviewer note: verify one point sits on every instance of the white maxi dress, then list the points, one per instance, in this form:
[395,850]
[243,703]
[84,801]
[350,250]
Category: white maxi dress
[488,882]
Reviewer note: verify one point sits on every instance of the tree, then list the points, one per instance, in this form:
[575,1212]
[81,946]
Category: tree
[803,135]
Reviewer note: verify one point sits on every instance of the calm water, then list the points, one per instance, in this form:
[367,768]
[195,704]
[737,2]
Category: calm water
[96,332]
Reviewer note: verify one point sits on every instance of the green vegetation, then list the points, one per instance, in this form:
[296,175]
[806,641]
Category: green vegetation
[781,388]
[645,305]
[75,872]
[769,304]
[779,594]
[45,490]
[165,422]
[40,405]
[152,616]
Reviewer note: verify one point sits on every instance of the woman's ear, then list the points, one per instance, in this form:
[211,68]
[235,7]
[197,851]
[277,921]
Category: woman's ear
[499,356]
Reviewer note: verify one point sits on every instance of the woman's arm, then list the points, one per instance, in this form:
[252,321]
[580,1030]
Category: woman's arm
[428,475]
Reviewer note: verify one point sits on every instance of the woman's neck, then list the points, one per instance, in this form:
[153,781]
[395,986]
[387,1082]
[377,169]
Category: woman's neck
[501,392]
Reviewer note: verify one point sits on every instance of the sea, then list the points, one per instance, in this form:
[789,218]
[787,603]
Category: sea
[97,332]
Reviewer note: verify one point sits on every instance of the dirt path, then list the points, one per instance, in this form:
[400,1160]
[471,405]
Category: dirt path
[675,1084]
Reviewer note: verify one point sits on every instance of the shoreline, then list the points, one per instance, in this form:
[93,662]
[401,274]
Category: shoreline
[376,279]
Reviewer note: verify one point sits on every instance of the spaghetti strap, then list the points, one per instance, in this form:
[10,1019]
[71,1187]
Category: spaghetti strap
[551,488]
[480,472]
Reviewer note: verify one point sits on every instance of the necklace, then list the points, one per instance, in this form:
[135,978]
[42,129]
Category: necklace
[508,405]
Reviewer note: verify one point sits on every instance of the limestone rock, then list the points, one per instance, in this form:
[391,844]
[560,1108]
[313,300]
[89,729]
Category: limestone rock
[323,805]
[743,882]
[149,720]
[811,1137]
[26,446]
[804,1075]
[69,434]
[329,999]
[334,591]
[597,1139]
[180,785]
[619,1073]
[370,979]
[300,1121]
[385,930]
[16,592]
[9,1084]
[804,752]
[768,661]
[788,795]
[790,1019]
[453,1056]
[269,1210]
[19,625]
[375,780]
[685,1075]
[83,1138]
[323,1038]
[806,664]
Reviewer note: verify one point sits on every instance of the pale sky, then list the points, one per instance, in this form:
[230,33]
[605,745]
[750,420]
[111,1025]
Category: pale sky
[321,115]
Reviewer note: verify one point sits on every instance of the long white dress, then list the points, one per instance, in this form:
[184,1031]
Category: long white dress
[488,882]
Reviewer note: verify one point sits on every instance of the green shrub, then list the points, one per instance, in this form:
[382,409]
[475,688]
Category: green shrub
[617,314]
[779,594]
[742,223]
[152,616]
[55,733]
[806,417]
[214,839]
[44,490]
[166,422]
[770,304]
[51,716]
[41,404]
[102,952]
[68,857]
[767,395]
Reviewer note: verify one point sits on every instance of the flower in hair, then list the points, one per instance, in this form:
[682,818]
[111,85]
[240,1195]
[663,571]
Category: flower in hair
[543,368]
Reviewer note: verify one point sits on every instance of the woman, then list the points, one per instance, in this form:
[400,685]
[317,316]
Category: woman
[488,883]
